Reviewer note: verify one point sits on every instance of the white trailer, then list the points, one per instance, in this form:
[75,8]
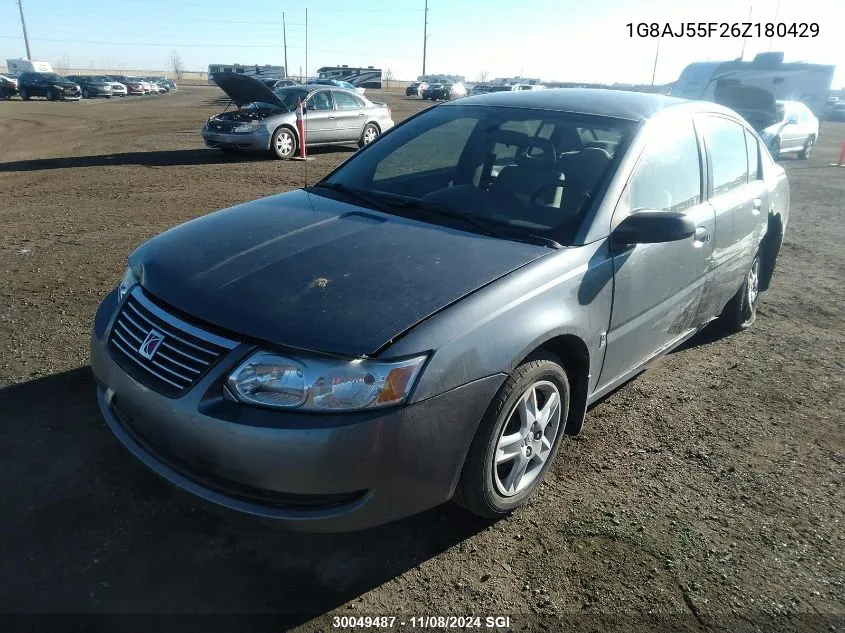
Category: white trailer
[796,81]
[23,65]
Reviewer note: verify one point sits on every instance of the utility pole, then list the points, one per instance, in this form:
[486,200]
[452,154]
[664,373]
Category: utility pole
[656,55]
[306,43]
[285,36]
[23,25]
[745,39]
[775,21]
[425,35]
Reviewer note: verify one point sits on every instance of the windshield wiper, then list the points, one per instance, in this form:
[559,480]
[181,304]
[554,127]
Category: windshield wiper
[359,195]
[448,212]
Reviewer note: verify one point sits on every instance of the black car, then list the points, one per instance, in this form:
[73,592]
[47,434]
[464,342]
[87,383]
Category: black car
[8,87]
[837,112]
[413,90]
[91,86]
[49,85]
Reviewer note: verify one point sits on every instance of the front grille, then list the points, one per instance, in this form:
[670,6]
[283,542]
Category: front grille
[183,356]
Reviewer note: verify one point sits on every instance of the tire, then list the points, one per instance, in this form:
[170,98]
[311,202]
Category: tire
[85,94]
[804,154]
[741,311]
[280,147]
[774,147]
[51,95]
[369,134]
[493,490]
[5,93]
[24,95]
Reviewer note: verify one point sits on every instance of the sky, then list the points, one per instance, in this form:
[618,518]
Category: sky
[554,40]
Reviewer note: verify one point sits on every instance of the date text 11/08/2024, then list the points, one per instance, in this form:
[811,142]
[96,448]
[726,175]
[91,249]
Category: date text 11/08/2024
[422,622]
[722,29]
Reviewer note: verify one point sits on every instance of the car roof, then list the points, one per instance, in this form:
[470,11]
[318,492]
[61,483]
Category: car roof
[620,104]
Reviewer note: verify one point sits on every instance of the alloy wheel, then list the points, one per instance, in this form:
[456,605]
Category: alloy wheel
[370,134]
[753,282]
[527,438]
[284,144]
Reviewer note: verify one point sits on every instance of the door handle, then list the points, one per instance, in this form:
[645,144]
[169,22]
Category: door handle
[331,117]
[362,114]
[701,235]
[756,206]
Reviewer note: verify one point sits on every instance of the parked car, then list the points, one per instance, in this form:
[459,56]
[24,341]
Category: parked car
[272,84]
[786,126]
[837,112]
[171,85]
[8,87]
[133,86]
[266,119]
[796,130]
[337,83]
[117,88]
[432,317]
[49,85]
[415,89]
[445,91]
[92,86]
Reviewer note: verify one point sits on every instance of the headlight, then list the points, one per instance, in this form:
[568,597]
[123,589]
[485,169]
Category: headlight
[246,127]
[280,382]
[129,280]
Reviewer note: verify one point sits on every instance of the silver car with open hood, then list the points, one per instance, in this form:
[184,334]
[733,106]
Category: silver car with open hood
[266,119]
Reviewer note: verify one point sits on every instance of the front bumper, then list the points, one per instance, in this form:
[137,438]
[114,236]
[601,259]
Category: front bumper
[312,472]
[253,141]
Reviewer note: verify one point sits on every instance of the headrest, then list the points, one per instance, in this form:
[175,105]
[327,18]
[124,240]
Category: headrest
[533,151]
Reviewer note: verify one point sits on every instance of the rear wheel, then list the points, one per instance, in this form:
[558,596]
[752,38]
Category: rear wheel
[24,94]
[741,311]
[52,95]
[517,439]
[86,94]
[369,134]
[804,154]
[284,143]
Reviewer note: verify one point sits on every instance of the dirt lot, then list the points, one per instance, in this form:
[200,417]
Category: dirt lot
[706,493]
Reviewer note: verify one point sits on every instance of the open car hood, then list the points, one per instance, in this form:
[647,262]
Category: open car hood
[242,90]
[756,105]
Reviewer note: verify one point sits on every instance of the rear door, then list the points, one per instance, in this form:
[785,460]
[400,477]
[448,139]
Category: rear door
[320,119]
[790,136]
[739,202]
[658,287]
[350,115]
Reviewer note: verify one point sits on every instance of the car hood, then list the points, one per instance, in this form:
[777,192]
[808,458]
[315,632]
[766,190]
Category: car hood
[306,271]
[242,89]
[756,105]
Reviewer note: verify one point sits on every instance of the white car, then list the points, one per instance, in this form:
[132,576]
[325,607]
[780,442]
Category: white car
[117,88]
[796,130]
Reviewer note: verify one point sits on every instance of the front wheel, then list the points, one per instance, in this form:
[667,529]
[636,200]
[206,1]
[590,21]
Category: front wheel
[741,311]
[804,154]
[517,439]
[369,134]
[52,95]
[85,94]
[284,143]
[24,94]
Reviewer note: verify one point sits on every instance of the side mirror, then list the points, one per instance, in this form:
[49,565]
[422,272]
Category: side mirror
[652,227]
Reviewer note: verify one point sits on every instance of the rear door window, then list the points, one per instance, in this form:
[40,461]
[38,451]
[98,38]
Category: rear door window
[725,140]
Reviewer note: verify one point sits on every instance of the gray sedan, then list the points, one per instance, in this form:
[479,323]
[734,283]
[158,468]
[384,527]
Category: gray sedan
[266,119]
[433,317]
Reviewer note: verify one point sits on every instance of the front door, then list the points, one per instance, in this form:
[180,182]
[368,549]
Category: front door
[320,119]
[658,287]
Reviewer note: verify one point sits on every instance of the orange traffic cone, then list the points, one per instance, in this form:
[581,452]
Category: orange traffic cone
[840,162]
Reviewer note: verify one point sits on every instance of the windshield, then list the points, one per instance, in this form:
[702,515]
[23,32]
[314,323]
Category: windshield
[52,77]
[518,171]
[290,96]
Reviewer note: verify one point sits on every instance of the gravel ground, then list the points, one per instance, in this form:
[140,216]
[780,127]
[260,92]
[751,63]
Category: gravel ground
[706,494]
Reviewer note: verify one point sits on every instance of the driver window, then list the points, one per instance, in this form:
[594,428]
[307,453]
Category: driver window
[667,176]
[320,101]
